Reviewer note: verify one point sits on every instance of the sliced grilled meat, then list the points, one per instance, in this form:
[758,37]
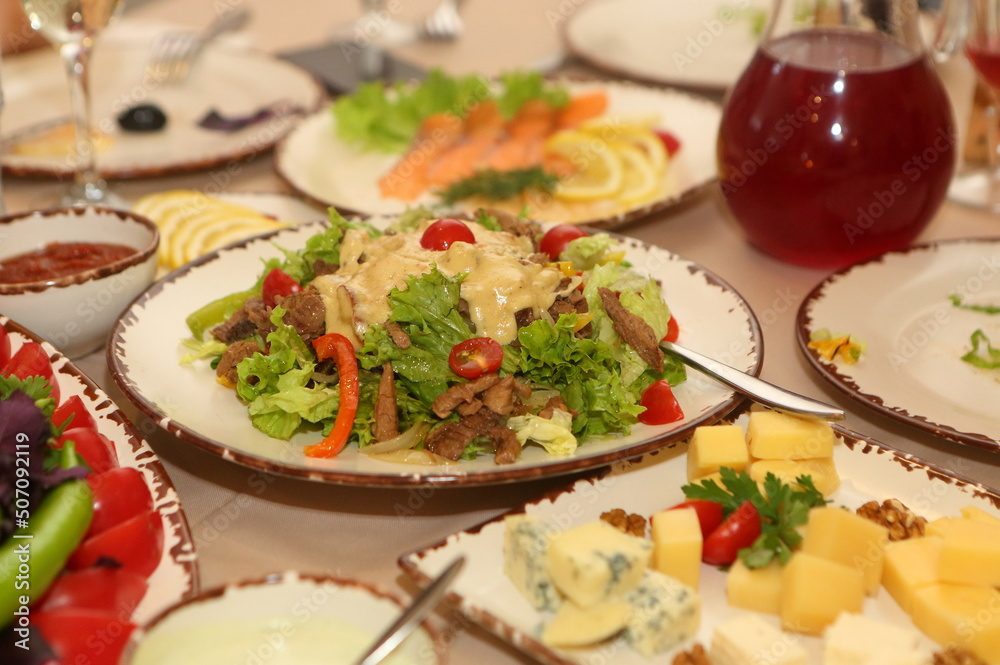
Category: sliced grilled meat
[399,336]
[231,357]
[505,444]
[447,401]
[633,330]
[451,439]
[386,418]
[305,312]
[243,323]
[514,225]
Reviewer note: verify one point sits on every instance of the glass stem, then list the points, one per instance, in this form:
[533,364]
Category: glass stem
[76,59]
[992,144]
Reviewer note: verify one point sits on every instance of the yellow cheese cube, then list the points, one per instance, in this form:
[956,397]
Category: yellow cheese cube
[960,615]
[845,537]
[757,589]
[910,565]
[941,526]
[677,544]
[773,435]
[822,472]
[977,513]
[815,590]
[715,446]
[970,554]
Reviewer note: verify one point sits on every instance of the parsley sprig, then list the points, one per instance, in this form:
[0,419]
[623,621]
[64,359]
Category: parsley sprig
[782,507]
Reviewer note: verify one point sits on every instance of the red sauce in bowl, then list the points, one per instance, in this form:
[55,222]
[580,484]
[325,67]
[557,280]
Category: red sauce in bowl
[58,259]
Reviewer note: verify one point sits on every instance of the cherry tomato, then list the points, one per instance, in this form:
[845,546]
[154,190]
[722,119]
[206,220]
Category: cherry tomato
[670,142]
[673,330]
[136,545]
[95,448]
[73,407]
[105,588]
[119,494]
[709,514]
[440,235]
[475,357]
[84,636]
[555,239]
[661,405]
[4,348]
[31,360]
[278,283]
[739,530]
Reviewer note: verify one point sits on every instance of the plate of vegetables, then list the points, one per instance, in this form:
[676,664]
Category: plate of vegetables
[417,350]
[94,541]
[926,351]
[562,151]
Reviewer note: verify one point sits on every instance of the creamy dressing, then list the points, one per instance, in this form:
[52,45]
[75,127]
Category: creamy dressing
[272,641]
[499,280]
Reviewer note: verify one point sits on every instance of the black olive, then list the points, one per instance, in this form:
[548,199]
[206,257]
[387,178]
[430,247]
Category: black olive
[143,118]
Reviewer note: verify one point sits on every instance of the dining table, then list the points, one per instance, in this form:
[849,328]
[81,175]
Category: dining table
[247,523]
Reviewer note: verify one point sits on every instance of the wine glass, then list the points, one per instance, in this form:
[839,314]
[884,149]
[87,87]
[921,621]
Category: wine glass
[837,143]
[979,187]
[72,26]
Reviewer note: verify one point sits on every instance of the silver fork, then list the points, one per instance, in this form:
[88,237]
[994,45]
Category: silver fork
[174,53]
[444,23]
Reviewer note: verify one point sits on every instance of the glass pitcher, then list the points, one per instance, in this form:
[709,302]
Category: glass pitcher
[837,143]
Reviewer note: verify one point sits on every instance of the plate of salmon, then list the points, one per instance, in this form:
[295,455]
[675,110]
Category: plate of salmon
[557,150]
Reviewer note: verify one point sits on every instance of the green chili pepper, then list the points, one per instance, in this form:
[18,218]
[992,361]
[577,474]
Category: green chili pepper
[217,311]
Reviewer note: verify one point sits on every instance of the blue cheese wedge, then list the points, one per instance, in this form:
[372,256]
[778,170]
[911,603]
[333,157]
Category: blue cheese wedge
[665,613]
[575,626]
[526,541]
[747,639]
[595,562]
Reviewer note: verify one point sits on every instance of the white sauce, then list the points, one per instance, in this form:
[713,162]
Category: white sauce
[272,641]
[499,282]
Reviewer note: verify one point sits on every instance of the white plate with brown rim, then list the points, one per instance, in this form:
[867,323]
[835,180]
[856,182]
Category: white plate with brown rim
[899,305]
[187,401]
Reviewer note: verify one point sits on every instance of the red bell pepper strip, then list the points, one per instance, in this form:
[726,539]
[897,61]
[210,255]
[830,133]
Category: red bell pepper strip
[335,345]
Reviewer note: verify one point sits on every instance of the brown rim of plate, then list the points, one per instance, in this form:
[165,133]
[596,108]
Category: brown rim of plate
[611,222]
[183,553]
[830,372]
[248,152]
[529,644]
[137,257]
[619,72]
[210,594]
[119,372]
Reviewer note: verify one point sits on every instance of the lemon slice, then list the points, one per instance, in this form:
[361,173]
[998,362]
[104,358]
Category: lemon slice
[183,246]
[651,146]
[599,169]
[241,232]
[642,122]
[640,178]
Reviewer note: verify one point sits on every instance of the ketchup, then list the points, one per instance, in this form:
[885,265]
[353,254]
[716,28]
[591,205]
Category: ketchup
[59,259]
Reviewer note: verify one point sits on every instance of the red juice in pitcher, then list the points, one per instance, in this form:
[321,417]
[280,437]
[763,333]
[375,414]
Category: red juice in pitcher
[835,146]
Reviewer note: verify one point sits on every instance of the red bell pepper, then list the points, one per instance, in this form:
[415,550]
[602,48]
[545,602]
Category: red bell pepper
[335,345]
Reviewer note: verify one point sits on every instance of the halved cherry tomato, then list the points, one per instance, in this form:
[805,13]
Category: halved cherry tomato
[440,235]
[335,345]
[84,636]
[670,142]
[106,588]
[739,530]
[661,405]
[278,283]
[673,330]
[4,348]
[475,357]
[709,514]
[95,448]
[556,239]
[31,360]
[119,494]
[136,545]
[73,407]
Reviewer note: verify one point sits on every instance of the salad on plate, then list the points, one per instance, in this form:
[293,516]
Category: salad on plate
[438,340]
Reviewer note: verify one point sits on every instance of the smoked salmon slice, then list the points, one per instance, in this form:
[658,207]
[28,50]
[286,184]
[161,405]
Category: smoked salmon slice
[408,178]
[480,131]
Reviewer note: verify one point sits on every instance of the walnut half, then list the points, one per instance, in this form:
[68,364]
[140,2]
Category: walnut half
[902,522]
[955,656]
[630,523]
[696,656]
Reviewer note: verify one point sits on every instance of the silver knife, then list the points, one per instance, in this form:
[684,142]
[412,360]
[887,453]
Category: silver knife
[422,605]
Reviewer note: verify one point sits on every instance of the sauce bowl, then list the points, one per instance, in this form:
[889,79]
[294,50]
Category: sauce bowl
[75,312]
[286,618]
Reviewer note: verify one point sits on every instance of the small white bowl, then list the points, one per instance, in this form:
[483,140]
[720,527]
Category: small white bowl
[283,619]
[75,313]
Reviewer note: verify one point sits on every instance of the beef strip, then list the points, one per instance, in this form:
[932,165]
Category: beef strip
[386,418]
[399,336]
[505,444]
[451,439]
[447,401]
[555,402]
[305,312]
[231,357]
[524,317]
[501,397]
[243,323]
[514,225]
[321,267]
[633,330]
